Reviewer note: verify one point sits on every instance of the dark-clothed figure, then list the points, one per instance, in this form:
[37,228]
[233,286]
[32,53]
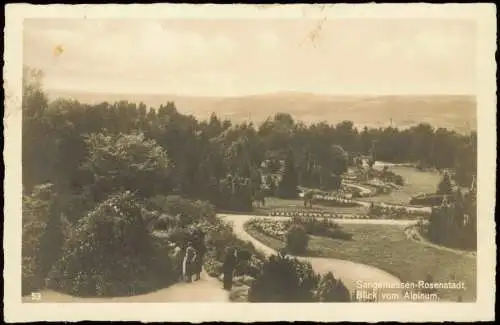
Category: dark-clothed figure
[199,245]
[228,268]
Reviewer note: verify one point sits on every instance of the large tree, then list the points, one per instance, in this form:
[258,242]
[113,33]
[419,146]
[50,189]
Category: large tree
[466,160]
[126,162]
[287,187]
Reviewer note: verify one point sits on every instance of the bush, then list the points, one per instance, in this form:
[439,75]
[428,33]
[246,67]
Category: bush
[455,224]
[399,180]
[296,239]
[252,267]
[284,279]
[445,187]
[166,222]
[220,236]
[188,211]
[321,227]
[31,280]
[239,294]
[128,161]
[391,177]
[243,280]
[332,290]
[42,236]
[213,267]
[178,235]
[111,253]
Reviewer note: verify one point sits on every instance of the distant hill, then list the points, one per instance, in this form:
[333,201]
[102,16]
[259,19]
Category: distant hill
[453,112]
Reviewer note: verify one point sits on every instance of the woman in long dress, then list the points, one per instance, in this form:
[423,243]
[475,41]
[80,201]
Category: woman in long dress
[189,262]
[178,259]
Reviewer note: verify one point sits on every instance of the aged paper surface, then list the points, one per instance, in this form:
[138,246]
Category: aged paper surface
[387,68]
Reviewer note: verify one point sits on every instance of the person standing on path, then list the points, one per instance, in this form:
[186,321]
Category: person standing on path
[228,268]
[177,260]
[200,248]
[189,262]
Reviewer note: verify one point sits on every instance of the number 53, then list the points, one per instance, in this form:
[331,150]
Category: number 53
[36,296]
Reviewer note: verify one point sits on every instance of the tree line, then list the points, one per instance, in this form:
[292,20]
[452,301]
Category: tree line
[86,150]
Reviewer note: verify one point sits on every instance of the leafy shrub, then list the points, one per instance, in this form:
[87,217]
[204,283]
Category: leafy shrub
[252,267]
[178,235]
[321,227]
[399,180]
[239,294]
[246,264]
[188,211]
[243,280]
[128,161]
[31,280]
[244,254]
[445,187]
[391,177]
[111,253]
[42,236]
[284,279]
[296,239]
[220,236]
[213,267]
[455,224]
[332,290]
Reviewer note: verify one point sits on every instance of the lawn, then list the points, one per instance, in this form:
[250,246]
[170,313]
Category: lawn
[273,203]
[416,182]
[386,247]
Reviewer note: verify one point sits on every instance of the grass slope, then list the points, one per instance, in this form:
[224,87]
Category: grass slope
[386,247]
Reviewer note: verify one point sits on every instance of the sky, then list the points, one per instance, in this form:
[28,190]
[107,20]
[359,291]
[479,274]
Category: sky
[203,57]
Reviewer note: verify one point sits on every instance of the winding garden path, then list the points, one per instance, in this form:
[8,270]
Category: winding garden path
[207,289]
[349,272]
[414,234]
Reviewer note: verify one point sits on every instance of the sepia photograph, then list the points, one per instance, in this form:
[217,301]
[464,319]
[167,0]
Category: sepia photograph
[252,160]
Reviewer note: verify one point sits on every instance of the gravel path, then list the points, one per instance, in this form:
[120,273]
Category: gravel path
[207,289]
[352,274]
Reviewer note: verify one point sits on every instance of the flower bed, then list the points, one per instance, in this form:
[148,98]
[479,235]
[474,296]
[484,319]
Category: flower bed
[353,190]
[335,200]
[320,227]
[314,214]
[430,199]
[395,212]
[273,228]
[313,226]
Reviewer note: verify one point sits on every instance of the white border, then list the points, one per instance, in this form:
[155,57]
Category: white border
[483,309]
